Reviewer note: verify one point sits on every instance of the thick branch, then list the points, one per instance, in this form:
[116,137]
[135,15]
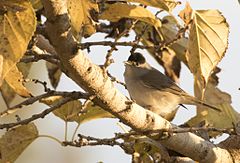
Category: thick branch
[90,77]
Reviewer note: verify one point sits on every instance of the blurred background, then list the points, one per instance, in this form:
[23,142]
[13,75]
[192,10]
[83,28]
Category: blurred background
[46,150]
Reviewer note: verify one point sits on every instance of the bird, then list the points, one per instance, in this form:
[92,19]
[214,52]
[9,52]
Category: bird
[155,91]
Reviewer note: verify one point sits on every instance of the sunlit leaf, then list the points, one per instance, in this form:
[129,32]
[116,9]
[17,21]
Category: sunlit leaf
[14,79]
[17,25]
[15,141]
[93,112]
[117,11]
[67,112]
[208,41]
[7,91]
[167,5]
[37,4]
[214,96]
[81,15]
[71,111]
[1,69]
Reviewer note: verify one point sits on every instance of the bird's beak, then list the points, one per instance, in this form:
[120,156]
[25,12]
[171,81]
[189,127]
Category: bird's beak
[126,63]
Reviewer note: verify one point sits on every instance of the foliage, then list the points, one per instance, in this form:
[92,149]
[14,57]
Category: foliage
[199,41]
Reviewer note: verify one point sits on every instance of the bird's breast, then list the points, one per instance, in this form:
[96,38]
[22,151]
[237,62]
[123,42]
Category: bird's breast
[162,103]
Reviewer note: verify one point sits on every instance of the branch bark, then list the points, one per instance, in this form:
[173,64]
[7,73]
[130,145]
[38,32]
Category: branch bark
[91,78]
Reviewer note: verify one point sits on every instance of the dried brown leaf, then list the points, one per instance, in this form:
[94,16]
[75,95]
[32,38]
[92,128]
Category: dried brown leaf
[54,74]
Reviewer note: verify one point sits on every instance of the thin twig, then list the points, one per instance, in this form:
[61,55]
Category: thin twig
[32,100]
[110,43]
[36,116]
[114,79]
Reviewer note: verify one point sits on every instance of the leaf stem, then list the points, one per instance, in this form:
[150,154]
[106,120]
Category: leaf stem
[51,137]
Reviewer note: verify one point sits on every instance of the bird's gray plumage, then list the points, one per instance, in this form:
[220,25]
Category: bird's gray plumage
[154,90]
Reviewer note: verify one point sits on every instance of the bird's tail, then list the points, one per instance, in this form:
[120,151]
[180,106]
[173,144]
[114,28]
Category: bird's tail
[194,101]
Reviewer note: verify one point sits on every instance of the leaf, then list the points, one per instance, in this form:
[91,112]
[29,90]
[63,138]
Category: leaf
[14,79]
[1,69]
[167,5]
[149,150]
[17,25]
[93,112]
[70,111]
[67,112]
[115,12]
[15,141]
[208,41]
[186,14]
[169,31]
[54,74]
[165,57]
[81,12]
[170,63]
[214,96]
[7,91]
[37,4]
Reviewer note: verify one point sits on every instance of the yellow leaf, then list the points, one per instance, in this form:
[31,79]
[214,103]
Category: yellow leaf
[54,74]
[214,96]
[1,69]
[14,79]
[117,11]
[208,41]
[15,141]
[93,112]
[7,92]
[37,4]
[70,111]
[17,25]
[67,112]
[186,14]
[80,12]
[167,5]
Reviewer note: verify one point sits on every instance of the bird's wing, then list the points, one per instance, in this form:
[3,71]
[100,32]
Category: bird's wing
[156,80]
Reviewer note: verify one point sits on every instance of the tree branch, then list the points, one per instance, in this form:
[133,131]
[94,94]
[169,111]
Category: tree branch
[91,78]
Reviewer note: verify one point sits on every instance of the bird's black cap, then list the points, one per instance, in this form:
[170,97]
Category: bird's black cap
[136,58]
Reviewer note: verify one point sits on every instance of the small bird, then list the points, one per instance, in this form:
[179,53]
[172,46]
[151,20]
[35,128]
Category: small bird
[153,90]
